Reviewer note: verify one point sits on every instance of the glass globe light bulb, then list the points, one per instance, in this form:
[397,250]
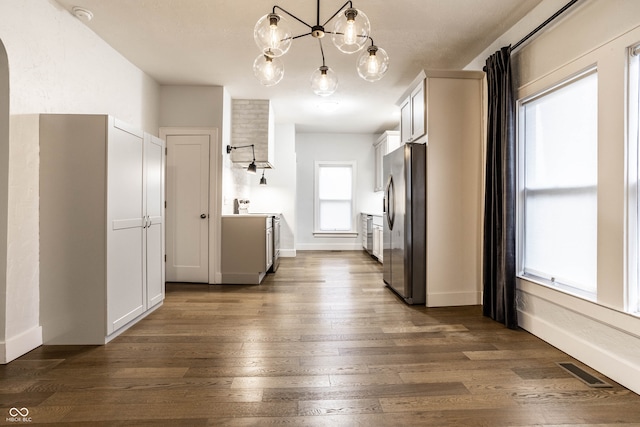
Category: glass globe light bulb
[373,64]
[273,35]
[324,81]
[351,31]
[268,70]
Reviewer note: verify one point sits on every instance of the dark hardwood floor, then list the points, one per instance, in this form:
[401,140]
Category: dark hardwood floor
[320,343]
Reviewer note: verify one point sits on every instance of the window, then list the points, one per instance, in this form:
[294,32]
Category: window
[334,202]
[558,179]
[633,123]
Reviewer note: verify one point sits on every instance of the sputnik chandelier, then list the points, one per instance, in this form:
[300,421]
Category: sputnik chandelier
[350,35]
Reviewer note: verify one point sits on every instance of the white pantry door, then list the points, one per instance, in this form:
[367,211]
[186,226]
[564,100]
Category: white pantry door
[188,208]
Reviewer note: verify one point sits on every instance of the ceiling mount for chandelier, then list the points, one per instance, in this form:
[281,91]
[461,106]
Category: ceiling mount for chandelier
[351,33]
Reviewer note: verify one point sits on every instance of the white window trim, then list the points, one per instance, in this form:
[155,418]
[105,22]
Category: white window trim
[632,294]
[520,199]
[316,205]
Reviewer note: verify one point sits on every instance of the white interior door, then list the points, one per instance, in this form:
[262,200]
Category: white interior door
[187,235]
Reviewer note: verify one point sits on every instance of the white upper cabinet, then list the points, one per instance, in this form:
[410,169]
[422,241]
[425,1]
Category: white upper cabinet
[386,143]
[413,111]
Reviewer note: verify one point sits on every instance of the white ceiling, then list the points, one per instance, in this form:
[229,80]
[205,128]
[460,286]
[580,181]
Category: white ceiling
[210,42]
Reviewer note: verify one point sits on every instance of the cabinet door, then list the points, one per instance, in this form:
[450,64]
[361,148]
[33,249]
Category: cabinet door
[379,154]
[269,249]
[154,220]
[126,295]
[405,121]
[376,241]
[418,117]
[363,230]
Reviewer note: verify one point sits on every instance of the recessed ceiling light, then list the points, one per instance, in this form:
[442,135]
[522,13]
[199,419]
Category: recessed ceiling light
[82,14]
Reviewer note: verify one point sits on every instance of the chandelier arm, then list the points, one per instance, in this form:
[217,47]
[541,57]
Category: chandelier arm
[350,3]
[301,35]
[321,51]
[291,15]
[357,35]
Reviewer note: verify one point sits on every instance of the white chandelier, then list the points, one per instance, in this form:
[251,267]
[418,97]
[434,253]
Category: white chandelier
[350,34]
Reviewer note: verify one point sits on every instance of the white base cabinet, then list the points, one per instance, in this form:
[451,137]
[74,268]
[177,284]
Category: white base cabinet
[378,232]
[101,227]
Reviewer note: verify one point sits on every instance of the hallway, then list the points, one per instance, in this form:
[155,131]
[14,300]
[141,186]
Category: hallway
[320,343]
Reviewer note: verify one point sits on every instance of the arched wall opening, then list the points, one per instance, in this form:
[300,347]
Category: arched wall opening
[4,190]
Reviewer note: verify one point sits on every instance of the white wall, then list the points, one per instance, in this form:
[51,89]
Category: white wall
[56,64]
[318,146]
[208,107]
[279,195]
[599,333]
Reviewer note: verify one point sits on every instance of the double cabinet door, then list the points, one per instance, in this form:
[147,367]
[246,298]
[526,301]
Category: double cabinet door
[413,119]
[135,205]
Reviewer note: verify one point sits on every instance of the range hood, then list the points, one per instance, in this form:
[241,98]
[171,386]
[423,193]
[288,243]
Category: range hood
[252,123]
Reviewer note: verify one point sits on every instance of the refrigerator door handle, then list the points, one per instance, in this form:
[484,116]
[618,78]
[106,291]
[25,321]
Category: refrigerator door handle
[391,201]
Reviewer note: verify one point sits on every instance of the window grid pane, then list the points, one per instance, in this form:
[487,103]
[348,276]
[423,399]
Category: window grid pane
[560,185]
[335,183]
[335,198]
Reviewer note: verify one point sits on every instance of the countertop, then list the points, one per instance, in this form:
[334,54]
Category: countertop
[261,215]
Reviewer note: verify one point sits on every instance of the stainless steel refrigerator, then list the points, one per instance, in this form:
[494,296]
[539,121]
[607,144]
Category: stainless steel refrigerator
[405,237]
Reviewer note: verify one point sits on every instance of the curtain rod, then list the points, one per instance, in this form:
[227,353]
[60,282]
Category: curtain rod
[541,26]
[544,24]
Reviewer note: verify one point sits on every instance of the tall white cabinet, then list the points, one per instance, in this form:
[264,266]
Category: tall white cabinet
[101,227]
[446,115]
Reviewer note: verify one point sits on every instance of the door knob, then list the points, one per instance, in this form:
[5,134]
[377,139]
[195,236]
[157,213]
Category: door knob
[203,216]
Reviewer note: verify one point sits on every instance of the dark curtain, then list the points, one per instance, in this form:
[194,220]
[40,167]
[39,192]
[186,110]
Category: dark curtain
[499,249]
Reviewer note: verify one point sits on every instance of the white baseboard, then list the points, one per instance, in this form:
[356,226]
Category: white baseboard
[21,344]
[602,339]
[449,299]
[288,253]
[329,246]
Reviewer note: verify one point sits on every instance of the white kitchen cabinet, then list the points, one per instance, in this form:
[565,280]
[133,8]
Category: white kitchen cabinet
[387,142]
[377,237]
[413,112]
[101,227]
[247,245]
[363,231]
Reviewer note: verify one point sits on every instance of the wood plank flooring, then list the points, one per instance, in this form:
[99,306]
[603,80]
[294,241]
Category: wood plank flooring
[320,343]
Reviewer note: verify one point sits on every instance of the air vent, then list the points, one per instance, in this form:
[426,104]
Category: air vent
[582,375]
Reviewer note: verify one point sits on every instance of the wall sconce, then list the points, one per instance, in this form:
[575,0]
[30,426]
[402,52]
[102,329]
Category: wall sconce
[252,166]
[263,180]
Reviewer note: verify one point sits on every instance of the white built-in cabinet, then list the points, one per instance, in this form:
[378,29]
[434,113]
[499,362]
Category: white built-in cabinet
[413,109]
[387,142]
[101,227]
[443,109]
